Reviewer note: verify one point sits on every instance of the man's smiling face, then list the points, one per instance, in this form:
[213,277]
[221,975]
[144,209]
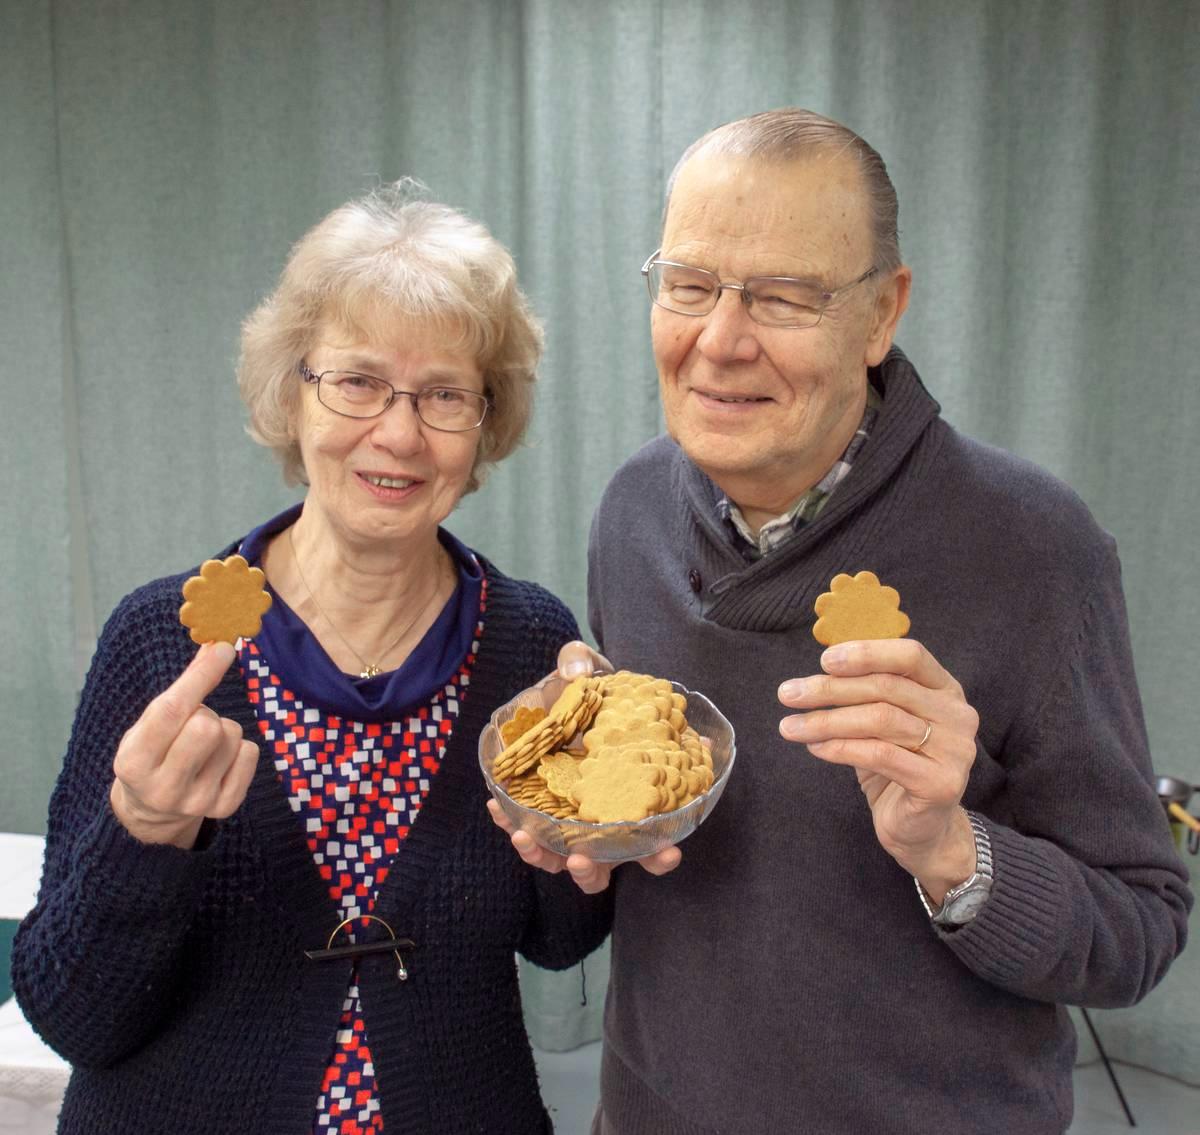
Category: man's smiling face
[766,411]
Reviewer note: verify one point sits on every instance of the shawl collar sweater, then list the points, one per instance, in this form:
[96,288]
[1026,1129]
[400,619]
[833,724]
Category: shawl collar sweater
[785,977]
[175,981]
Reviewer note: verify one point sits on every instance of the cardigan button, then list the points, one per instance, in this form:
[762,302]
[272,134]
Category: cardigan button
[694,580]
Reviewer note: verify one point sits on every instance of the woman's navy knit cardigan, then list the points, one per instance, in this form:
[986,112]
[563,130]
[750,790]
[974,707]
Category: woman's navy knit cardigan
[175,982]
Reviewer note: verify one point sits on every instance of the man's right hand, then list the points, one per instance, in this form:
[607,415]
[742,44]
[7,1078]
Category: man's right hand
[179,762]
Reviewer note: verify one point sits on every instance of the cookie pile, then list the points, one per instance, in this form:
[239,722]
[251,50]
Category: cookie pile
[633,756]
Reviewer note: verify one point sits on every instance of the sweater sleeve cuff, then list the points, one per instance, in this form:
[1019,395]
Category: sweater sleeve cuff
[136,879]
[1018,927]
[570,924]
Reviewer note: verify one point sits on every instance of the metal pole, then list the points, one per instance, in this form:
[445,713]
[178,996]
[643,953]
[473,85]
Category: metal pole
[1108,1067]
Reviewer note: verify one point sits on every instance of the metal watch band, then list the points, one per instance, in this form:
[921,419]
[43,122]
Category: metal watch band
[983,867]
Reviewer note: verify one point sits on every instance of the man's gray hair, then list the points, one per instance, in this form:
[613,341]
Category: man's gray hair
[790,133]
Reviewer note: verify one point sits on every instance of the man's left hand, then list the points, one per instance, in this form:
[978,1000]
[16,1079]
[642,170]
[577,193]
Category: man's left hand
[903,723]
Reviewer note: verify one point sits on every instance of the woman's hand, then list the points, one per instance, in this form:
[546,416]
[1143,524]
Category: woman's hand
[577,659]
[591,877]
[903,724]
[180,763]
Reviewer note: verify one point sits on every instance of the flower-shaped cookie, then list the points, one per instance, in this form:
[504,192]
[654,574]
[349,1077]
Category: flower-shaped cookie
[225,602]
[525,718]
[629,731]
[858,607]
[560,771]
[612,791]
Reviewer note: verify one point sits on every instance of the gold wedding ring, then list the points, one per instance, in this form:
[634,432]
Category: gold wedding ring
[921,743]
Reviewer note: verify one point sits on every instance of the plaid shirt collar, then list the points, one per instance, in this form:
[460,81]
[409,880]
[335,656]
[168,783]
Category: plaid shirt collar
[777,532]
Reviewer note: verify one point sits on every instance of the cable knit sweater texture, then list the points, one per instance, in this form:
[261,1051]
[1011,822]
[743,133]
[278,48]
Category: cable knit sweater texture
[175,981]
[785,979]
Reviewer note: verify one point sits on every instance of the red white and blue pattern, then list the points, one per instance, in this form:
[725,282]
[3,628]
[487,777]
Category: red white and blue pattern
[357,787]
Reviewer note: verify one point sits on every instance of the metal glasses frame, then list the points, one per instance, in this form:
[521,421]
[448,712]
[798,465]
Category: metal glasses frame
[310,376]
[747,298]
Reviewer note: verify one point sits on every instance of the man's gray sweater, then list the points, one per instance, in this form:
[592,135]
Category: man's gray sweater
[785,977]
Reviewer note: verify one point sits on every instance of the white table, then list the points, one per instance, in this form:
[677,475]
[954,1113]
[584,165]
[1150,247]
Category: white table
[20,870]
[32,1077]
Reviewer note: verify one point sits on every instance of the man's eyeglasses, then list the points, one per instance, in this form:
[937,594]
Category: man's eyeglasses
[353,395]
[774,301]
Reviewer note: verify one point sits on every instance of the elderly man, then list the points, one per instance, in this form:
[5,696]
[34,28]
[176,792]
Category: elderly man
[952,835]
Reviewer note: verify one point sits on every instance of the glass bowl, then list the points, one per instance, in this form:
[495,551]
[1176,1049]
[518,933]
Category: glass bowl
[614,842]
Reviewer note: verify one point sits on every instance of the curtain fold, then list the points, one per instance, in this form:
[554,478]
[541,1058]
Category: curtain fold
[159,160]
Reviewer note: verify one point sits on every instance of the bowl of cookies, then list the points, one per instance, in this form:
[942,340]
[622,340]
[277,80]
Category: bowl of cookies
[612,766]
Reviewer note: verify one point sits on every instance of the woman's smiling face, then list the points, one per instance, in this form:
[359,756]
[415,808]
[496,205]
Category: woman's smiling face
[389,479]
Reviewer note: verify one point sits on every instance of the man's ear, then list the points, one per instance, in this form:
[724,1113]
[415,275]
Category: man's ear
[891,298]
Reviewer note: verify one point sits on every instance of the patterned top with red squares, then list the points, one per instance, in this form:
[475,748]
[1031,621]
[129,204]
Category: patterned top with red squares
[357,788]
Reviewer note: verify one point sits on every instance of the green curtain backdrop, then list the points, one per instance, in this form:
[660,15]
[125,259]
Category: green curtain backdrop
[158,158]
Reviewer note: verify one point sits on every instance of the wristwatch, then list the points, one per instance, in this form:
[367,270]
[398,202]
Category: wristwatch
[964,901]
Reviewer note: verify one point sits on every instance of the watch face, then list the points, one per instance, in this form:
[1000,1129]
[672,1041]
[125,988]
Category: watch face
[964,907]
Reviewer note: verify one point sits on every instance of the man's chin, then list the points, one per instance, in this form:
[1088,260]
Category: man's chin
[720,457]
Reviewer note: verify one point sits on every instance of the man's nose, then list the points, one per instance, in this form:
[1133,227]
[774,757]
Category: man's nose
[729,334]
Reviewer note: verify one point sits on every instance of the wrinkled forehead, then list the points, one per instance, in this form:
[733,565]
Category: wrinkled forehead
[751,215]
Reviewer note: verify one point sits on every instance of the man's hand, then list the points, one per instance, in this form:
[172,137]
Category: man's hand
[180,762]
[591,877]
[903,723]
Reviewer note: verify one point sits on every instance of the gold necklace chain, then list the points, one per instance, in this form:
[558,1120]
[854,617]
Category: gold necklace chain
[369,669]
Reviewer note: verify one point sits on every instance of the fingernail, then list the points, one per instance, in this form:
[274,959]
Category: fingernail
[792,728]
[834,656]
[793,688]
[224,651]
[576,668]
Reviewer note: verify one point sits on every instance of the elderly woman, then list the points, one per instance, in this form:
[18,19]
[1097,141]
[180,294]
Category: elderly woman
[273,900]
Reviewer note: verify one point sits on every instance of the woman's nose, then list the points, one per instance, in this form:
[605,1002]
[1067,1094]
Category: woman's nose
[398,428]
